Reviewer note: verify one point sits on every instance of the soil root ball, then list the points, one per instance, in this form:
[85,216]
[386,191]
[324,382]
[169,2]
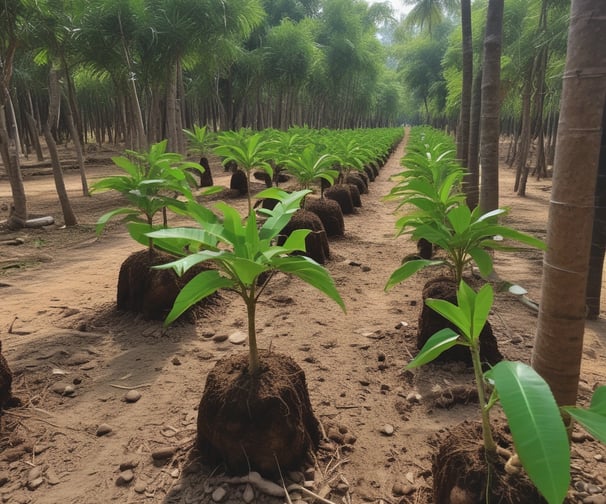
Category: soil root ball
[239,182]
[152,292]
[6,381]
[370,173]
[430,323]
[329,213]
[357,180]
[459,468]
[356,198]
[341,193]
[249,422]
[316,242]
[206,178]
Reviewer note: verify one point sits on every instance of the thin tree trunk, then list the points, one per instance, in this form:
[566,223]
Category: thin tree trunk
[18,214]
[558,346]
[33,133]
[598,239]
[69,217]
[525,140]
[171,111]
[489,122]
[463,129]
[472,178]
[78,146]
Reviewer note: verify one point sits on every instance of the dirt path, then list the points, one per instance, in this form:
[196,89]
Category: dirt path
[65,332]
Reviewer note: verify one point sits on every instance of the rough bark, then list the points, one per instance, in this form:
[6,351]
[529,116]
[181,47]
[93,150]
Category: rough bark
[598,239]
[489,122]
[472,177]
[558,347]
[13,172]
[464,123]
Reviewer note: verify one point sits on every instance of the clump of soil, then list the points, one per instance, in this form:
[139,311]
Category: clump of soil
[263,423]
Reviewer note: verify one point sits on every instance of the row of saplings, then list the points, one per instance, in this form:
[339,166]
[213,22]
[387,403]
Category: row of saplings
[255,411]
[477,462]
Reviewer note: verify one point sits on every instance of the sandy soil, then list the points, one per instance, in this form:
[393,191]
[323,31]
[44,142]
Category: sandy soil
[59,327]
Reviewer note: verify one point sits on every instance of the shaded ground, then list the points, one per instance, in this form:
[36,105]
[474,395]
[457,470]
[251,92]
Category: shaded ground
[59,327]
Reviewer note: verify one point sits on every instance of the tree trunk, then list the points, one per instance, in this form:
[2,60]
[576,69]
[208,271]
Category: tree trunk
[489,122]
[525,140]
[78,146]
[558,347]
[69,217]
[171,111]
[33,133]
[463,129]
[472,178]
[598,239]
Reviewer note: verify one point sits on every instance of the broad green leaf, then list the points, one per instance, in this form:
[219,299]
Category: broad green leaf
[310,272]
[536,426]
[452,313]
[187,234]
[408,269]
[483,304]
[202,285]
[460,218]
[296,240]
[513,234]
[482,259]
[103,220]
[434,346]
[594,418]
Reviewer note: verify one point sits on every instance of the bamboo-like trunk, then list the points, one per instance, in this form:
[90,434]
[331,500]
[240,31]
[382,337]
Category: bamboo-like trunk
[558,346]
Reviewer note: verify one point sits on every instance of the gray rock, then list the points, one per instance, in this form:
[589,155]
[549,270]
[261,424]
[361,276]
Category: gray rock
[238,338]
[34,473]
[103,429]
[387,429]
[128,464]
[78,359]
[249,494]
[51,477]
[125,477]
[132,396]
[33,484]
[220,338]
[140,487]
[219,494]
[163,453]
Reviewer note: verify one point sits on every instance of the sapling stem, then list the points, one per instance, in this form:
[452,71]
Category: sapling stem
[490,447]
[253,353]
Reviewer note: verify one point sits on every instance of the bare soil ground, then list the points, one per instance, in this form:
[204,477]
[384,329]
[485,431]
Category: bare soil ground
[59,327]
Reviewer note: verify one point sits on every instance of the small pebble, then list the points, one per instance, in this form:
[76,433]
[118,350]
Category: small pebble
[125,477]
[219,494]
[220,338]
[381,357]
[397,489]
[387,429]
[249,494]
[208,334]
[132,396]
[129,464]
[51,477]
[103,429]
[163,453]
[33,484]
[366,269]
[140,487]
[238,338]
[69,390]
[599,457]
[78,359]
[176,361]
[401,325]
[34,473]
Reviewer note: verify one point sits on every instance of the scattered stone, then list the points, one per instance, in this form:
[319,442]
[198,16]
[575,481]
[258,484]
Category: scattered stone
[78,359]
[599,457]
[4,478]
[219,494]
[341,488]
[385,387]
[77,380]
[163,453]
[595,499]
[354,263]
[364,383]
[414,397]
[132,396]
[34,473]
[349,439]
[249,494]
[176,361]
[410,477]
[381,357]
[129,464]
[237,338]
[401,325]
[387,429]
[578,437]
[366,269]
[88,366]
[103,429]
[33,484]
[125,477]
[334,435]
[208,334]
[516,340]
[59,388]
[69,391]
[51,477]
[220,338]
[579,486]
[140,487]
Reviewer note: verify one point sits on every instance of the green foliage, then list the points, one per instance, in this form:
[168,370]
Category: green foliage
[534,419]
[248,151]
[200,140]
[594,418]
[431,184]
[309,166]
[241,252]
[153,180]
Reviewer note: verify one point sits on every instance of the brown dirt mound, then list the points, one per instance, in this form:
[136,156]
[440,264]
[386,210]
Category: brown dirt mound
[329,213]
[316,243]
[265,423]
[341,193]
